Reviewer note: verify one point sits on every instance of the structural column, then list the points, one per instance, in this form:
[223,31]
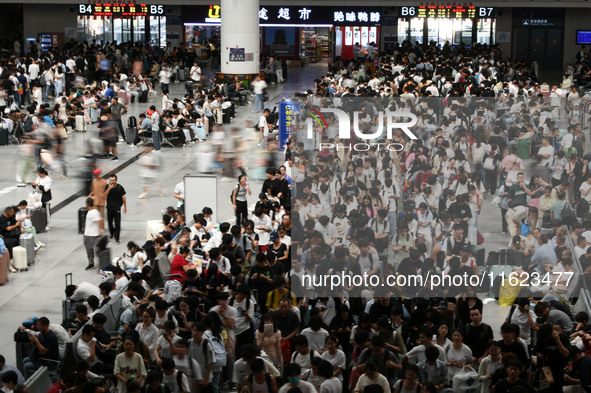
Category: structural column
[240,43]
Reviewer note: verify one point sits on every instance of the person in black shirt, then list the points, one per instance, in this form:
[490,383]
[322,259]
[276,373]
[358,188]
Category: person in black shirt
[261,279]
[513,383]
[460,212]
[477,335]
[10,229]
[509,344]
[115,194]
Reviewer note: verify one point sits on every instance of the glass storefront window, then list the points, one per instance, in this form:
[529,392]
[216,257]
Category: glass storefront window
[154,30]
[416,30]
[485,30]
[139,29]
[403,26]
[162,31]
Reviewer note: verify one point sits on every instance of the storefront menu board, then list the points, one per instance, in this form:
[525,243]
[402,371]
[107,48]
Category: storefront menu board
[121,10]
[440,11]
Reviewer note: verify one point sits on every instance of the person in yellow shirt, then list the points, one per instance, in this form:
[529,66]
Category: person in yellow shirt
[546,202]
[280,292]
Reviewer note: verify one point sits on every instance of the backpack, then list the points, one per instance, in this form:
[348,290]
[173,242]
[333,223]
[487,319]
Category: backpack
[218,349]
[582,207]
[121,313]
[568,215]
[232,193]
[173,290]
[179,379]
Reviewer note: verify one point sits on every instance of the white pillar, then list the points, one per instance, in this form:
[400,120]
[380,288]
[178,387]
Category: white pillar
[240,30]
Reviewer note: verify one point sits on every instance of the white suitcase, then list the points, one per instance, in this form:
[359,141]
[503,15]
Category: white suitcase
[80,123]
[19,258]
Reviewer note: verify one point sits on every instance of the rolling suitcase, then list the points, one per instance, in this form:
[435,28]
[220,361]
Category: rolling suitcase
[122,95]
[181,74]
[93,114]
[3,136]
[201,131]
[26,241]
[80,123]
[19,258]
[4,262]
[218,116]
[82,212]
[143,97]
[131,135]
[39,219]
[227,116]
[104,257]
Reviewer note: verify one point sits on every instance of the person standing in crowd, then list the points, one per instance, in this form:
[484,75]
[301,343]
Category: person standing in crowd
[97,191]
[164,77]
[259,85]
[115,195]
[155,121]
[239,199]
[93,228]
[43,185]
[117,110]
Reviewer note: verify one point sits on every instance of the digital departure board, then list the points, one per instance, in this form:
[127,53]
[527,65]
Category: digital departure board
[458,11]
[121,10]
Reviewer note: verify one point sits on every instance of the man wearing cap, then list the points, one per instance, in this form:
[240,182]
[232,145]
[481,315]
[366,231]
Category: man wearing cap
[580,378]
[97,192]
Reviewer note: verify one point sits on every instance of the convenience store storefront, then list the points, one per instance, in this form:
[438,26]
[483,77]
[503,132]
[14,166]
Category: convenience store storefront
[294,32]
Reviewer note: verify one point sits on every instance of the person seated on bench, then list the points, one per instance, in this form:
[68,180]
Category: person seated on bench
[25,219]
[86,349]
[171,131]
[45,351]
[4,368]
[10,230]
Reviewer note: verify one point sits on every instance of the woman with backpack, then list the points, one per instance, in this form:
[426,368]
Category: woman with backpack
[238,198]
[217,336]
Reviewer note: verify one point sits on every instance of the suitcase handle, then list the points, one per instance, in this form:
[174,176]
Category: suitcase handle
[70,276]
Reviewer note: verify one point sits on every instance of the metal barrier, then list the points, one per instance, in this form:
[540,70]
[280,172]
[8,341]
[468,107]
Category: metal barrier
[40,381]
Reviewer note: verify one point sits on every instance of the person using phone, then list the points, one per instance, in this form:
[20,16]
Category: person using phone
[115,194]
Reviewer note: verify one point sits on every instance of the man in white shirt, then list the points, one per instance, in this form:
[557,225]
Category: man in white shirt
[263,127]
[34,72]
[546,152]
[86,348]
[93,228]
[179,193]
[164,77]
[244,306]
[195,73]
[523,317]
[258,86]
[586,189]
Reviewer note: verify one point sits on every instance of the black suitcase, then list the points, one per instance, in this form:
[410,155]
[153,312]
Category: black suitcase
[478,253]
[104,257]
[82,212]
[226,118]
[3,136]
[143,96]
[39,219]
[131,135]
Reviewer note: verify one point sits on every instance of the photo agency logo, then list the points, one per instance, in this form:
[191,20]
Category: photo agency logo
[360,125]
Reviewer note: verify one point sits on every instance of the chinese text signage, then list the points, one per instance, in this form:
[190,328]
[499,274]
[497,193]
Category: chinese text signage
[451,11]
[287,113]
[121,10]
[302,15]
